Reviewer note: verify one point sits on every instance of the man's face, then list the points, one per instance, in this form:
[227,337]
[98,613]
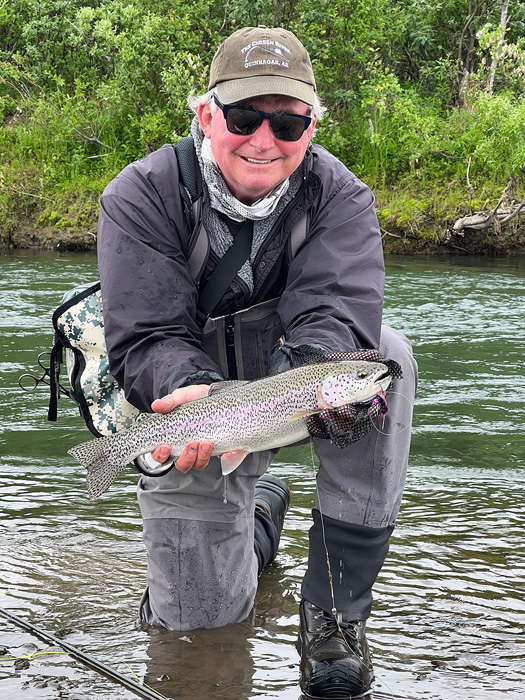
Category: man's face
[252,166]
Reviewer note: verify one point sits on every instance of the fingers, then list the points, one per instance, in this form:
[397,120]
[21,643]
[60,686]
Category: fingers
[164,405]
[161,453]
[195,456]
[183,395]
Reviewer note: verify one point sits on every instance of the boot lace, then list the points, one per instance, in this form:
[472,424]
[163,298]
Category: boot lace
[343,631]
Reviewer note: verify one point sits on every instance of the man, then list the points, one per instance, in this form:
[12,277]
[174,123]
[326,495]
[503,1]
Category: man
[207,539]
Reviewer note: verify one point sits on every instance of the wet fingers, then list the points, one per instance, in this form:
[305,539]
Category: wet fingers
[195,456]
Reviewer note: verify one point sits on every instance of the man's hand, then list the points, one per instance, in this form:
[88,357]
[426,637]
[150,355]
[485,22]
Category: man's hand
[196,455]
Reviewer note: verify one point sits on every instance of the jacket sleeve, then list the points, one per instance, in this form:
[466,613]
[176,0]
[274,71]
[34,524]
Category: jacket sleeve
[148,295]
[335,285]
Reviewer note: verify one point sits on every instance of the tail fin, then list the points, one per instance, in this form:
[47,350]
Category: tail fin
[95,456]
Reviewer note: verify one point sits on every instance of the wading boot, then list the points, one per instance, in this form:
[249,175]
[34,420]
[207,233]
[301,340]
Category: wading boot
[335,660]
[272,495]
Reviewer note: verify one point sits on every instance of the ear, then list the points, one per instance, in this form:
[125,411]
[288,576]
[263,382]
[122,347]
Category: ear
[205,118]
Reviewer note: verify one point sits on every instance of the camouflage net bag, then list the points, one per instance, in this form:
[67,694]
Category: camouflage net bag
[79,333]
[350,423]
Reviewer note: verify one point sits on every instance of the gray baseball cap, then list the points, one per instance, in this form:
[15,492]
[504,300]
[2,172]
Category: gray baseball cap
[258,61]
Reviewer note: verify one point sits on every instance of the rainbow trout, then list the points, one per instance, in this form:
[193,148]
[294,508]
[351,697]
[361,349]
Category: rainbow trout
[237,417]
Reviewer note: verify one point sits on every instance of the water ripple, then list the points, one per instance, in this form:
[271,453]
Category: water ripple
[448,617]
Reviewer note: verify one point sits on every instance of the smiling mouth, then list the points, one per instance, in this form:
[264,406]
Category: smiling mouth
[259,161]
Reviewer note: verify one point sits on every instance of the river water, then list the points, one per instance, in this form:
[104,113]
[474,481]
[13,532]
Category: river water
[449,613]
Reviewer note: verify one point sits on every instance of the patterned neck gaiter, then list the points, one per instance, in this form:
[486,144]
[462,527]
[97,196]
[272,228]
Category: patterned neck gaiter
[264,214]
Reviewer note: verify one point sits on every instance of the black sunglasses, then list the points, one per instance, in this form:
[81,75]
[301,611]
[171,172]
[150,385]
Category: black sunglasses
[243,121]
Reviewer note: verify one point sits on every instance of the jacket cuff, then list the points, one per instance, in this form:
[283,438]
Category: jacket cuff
[201,377]
[285,356]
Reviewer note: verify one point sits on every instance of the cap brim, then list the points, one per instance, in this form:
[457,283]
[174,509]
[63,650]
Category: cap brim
[231,91]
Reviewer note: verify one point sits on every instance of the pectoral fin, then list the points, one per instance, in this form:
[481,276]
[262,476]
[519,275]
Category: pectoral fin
[231,460]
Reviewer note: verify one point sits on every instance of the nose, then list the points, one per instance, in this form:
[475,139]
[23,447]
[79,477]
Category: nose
[263,138]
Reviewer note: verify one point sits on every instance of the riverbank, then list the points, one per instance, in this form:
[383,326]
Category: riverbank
[412,223]
[424,103]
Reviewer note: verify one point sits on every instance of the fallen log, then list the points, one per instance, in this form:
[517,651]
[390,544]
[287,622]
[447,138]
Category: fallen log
[493,217]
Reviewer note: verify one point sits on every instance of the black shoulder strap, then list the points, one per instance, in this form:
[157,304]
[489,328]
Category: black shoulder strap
[188,167]
[224,274]
[190,175]
[234,258]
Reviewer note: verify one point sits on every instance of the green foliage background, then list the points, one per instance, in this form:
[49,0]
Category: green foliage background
[88,86]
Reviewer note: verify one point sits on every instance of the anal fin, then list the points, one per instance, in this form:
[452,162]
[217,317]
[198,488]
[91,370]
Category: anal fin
[231,460]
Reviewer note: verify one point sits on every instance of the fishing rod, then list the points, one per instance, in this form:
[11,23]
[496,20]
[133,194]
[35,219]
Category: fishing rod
[141,690]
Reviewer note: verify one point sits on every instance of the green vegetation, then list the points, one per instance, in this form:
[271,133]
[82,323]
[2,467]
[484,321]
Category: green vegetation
[426,99]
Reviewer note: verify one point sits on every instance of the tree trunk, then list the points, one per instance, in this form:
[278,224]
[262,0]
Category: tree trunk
[503,25]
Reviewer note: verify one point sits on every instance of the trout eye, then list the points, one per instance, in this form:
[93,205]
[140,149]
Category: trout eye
[362,374]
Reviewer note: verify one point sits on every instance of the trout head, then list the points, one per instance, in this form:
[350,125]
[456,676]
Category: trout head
[357,382]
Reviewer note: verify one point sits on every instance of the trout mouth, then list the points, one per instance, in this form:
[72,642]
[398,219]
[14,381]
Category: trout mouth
[378,386]
[384,381]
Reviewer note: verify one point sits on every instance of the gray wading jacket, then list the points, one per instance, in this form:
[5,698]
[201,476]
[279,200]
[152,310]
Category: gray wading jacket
[330,293]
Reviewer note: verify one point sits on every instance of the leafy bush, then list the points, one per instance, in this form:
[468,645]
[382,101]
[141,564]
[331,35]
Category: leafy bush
[86,86]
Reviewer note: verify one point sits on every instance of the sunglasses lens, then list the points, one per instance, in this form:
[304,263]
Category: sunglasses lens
[242,121]
[288,127]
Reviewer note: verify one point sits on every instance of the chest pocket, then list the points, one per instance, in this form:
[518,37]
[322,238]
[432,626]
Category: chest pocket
[242,343]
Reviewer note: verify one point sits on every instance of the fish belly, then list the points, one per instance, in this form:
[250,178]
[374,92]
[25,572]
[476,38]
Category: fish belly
[246,428]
